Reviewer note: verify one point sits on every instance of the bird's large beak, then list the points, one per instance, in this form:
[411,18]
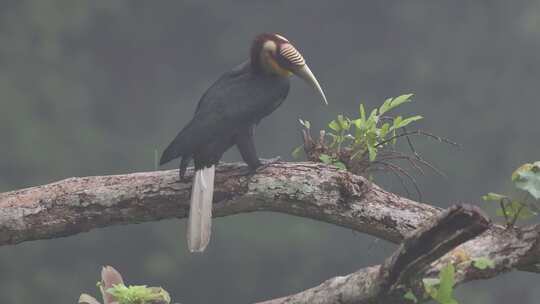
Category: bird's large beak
[305,73]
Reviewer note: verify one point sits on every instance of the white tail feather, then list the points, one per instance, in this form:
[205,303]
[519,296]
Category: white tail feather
[199,225]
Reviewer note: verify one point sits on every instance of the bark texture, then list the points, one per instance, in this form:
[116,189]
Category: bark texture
[309,190]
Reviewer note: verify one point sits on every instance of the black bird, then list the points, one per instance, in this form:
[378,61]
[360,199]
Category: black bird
[226,115]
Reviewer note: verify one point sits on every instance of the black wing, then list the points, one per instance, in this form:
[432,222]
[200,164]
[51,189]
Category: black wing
[238,99]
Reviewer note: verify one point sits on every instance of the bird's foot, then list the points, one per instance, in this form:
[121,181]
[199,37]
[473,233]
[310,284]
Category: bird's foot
[182,176]
[265,163]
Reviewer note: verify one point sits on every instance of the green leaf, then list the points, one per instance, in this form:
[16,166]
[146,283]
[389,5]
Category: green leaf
[392,103]
[494,197]
[405,122]
[527,178]
[372,151]
[446,287]
[362,113]
[138,294]
[396,123]
[441,289]
[402,99]
[384,130]
[358,123]
[344,122]
[385,106]
[334,125]
[483,263]
[373,116]
[297,152]
[410,296]
[340,165]
[326,159]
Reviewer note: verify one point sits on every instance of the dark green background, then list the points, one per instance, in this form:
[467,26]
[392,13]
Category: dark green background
[93,87]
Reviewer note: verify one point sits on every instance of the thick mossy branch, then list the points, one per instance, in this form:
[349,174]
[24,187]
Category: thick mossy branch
[309,190]
[305,189]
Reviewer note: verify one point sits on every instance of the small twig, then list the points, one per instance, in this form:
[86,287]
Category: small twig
[397,175]
[409,159]
[503,208]
[516,216]
[409,142]
[405,173]
[419,157]
[417,132]
[406,134]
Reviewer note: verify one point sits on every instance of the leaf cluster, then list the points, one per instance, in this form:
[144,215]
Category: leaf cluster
[138,294]
[526,180]
[364,135]
[365,142]
[114,291]
[367,134]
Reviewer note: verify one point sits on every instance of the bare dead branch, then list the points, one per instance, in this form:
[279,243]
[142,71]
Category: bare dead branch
[450,229]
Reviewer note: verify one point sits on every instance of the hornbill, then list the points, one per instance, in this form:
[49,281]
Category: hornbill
[226,115]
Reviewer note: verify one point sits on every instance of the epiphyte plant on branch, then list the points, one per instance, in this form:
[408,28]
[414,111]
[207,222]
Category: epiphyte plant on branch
[524,204]
[114,291]
[226,115]
[367,143]
[439,289]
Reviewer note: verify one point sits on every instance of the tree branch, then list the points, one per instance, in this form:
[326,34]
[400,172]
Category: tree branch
[388,283]
[450,229]
[309,190]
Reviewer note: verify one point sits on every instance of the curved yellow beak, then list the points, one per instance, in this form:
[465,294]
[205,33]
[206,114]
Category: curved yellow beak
[305,73]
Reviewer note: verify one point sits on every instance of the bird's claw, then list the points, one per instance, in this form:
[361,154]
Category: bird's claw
[265,163]
[182,176]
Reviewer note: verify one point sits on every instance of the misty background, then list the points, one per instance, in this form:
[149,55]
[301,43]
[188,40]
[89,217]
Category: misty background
[94,87]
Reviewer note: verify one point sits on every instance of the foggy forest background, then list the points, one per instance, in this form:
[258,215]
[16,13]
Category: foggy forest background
[95,87]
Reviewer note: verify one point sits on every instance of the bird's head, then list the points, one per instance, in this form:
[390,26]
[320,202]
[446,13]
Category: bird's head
[275,54]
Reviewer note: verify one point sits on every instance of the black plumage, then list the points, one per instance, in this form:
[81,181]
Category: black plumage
[226,115]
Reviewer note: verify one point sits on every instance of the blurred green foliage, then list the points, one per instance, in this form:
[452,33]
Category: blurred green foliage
[483,263]
[525,204]
[441,289]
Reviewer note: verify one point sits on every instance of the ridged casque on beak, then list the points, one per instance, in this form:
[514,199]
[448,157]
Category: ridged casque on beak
[297,65]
